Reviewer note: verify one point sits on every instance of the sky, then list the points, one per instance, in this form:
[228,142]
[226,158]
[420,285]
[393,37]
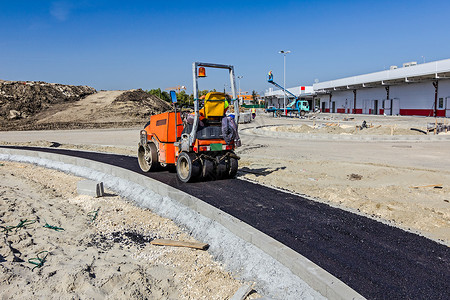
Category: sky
[113,45]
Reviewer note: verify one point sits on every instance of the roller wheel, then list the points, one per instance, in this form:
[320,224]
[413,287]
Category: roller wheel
[221,169]
[148,157]
[172,168]
[187,169]
[302,113]
[233,167]
[207,169]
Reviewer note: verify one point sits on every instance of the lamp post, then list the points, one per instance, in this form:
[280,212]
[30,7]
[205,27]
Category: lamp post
[284,77]
[239,95]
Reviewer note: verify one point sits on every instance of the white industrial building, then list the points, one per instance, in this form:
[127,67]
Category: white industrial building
[413,89]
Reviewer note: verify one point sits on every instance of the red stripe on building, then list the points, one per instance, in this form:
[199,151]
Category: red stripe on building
[421,112]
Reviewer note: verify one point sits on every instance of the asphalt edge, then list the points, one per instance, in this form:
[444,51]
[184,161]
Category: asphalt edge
[316,277]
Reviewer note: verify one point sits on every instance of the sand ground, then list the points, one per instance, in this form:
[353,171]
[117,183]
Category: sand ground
[108,257]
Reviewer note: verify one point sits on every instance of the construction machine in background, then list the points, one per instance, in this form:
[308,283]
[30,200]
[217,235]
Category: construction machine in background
[201,147]
[297,106]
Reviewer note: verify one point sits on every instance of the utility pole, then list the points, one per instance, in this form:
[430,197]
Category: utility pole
[284,77]
[239,95]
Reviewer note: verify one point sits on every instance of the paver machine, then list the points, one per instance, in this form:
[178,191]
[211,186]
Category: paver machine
[202,145]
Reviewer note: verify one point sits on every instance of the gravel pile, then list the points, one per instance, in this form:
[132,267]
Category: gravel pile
[22,99]
[140,103]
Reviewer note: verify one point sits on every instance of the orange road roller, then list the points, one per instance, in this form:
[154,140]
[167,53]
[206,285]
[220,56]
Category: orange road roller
[200,147]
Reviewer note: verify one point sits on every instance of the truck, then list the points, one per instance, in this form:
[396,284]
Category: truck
[297,107]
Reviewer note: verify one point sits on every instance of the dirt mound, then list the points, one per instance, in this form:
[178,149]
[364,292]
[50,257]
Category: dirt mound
[47,106]
[19,99]
[140,103]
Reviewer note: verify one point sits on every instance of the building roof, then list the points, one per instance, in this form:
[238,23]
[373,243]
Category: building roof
[297,91]
[421,72]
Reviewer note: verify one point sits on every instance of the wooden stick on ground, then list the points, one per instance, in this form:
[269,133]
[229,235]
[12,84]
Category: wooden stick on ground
[436,186]
[162,242]
[435,126]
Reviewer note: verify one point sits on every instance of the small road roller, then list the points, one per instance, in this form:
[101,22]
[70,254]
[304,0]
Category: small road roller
[200,147]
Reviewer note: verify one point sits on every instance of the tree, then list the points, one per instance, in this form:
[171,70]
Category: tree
[161,94]
[203,93]
[166,96]
[156,92]
[183,98]
[254,97]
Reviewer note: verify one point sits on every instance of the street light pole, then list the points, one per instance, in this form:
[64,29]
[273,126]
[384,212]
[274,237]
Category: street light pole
[239,96]
[284,77]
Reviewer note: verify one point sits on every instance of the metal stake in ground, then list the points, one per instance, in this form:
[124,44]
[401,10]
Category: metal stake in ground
[37,261]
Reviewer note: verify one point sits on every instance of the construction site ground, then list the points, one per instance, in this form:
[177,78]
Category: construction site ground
[106,256]
[391,180]
[403,182]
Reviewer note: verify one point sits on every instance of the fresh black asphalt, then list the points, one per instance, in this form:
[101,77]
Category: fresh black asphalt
[377,260]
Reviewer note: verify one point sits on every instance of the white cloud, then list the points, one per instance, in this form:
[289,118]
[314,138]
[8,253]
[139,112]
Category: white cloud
[61,10]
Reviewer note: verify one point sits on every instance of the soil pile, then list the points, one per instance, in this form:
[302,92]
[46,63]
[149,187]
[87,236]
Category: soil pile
[43,106]
[140,103]
[20,99]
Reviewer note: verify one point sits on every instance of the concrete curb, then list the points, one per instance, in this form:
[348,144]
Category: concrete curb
[316,277]
[90,188]
[343,137]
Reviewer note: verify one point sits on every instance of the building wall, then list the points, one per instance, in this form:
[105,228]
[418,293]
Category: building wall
[370,98]
[324,102]
[343,101]
[406,99]
[444,88]
[444,93]
[415,96]
[277,102]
